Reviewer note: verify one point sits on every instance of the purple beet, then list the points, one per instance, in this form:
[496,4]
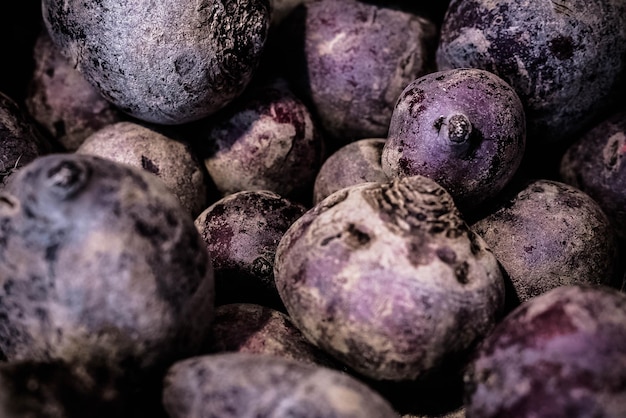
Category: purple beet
[463,128]
[560,354]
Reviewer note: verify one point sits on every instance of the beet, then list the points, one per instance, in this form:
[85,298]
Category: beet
[241,232]
[354,163]
[100,260]
[464,128]
[252,385]
[560,354]
[59,98]
[20,139]
[358,57]
[389,279]
[595,164]
[165,62]
[565,60]
[169,158]
[266,141]
[550,234]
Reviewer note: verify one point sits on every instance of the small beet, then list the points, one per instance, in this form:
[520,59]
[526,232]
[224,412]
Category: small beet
[241,232]
[354,163]
[550,234]
[171,160]
[166,62]
[464,128]
[560,354]
[265,141]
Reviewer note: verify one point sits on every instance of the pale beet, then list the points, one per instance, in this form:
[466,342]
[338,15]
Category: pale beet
[389,279]
[354,163]
[464,128]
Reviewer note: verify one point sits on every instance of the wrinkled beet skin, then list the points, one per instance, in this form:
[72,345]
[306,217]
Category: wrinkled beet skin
[358,58]
[560,354]
[550,234]
[354,163]
[372,272]
[109,263]
[170,159]
[250,385]
[564,59]
[473,171]
[596,164]
[266,141]
[165,62]
[241,232]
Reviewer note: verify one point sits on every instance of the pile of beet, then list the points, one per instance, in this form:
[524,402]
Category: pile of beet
[313,208]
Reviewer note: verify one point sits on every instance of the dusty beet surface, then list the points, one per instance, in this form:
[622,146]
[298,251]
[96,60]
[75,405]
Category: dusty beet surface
[241,232]
[170,159]
[356,59]
[551,234]
[165,62]
[388,278]
[464,128]
[252,385]
[560,354]
[101,260]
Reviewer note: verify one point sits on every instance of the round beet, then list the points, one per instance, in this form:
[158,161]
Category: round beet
[464,128]
[167,62]
[563,58]
[253,385]
[596,164]
[100,261]
[560,354]
[358,56]
[266,141]
[171,160]
[62,101]
[354,163]
[550,234]
[388,278]
[241,232]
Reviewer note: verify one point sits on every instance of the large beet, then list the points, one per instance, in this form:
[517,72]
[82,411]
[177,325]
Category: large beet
[165,62]
[388,278]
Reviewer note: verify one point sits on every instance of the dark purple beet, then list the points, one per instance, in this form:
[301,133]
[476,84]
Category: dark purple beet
[241,232]
[463,128]
[560,354]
